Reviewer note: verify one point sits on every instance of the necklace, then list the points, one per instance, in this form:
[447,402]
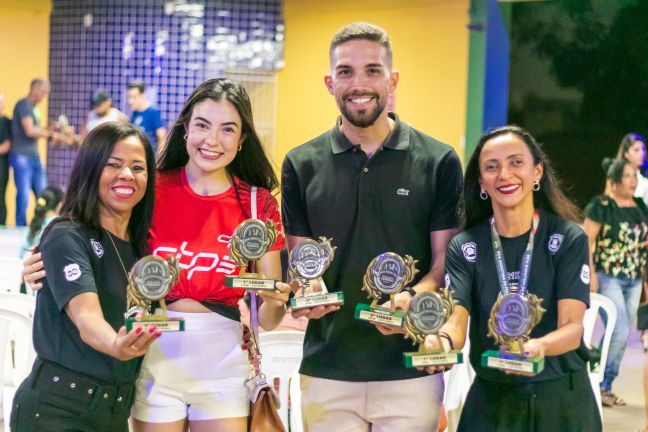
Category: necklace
[118,254]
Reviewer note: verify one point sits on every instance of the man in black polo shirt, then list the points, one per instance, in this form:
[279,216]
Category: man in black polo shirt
[373,184]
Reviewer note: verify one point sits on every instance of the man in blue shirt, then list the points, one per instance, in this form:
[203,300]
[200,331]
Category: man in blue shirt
[145,116]
[23,156]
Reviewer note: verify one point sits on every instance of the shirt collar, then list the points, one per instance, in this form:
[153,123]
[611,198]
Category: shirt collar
[398,138]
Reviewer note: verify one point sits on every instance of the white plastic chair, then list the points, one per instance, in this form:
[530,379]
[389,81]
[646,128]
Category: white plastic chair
[457,383]
[5,351]
[10,274]
[21,303]
[294,404]
[282,352]
[16,367]
[597,302]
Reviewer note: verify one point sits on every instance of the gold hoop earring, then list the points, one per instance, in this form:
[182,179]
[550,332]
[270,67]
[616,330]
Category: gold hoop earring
[536,185]
[240,147]
[185,137]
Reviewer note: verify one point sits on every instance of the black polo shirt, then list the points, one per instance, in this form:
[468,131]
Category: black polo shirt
[78,260]
[390,202]
[559,270]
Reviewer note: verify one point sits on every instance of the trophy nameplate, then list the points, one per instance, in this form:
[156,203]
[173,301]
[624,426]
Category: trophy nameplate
[387,274]
[307,262]
[427,313]
[151,279]
[250,241]
[512,319]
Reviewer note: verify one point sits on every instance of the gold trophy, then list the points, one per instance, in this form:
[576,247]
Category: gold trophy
[250,241]
[151,279]
[308,261]
[387,274]
[511,320]
[427,313]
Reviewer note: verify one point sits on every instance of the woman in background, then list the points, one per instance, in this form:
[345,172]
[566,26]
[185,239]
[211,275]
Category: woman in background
[617,226]
[633,149]
[48,205]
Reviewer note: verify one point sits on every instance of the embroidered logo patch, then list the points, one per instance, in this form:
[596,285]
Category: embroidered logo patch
[98,249]
[469,251]
[555,241]
[585,274]
[402,192]
[72,272]
[447,280]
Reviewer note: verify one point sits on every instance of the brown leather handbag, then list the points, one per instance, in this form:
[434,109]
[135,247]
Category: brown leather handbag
[264,401]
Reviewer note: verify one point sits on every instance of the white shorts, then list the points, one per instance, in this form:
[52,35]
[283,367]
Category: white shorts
[411,405]
[197,374]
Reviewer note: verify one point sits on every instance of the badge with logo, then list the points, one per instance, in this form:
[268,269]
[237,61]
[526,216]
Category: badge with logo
[151,279]
[250,241]
[555,240]
[72,272]
[307,263]
[512,319]
[427,313]
[387,274]
[97,248]
[469,251]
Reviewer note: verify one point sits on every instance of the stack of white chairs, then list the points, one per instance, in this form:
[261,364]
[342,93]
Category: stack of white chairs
[282,352]
[599,302]
[10,274]
[17,352]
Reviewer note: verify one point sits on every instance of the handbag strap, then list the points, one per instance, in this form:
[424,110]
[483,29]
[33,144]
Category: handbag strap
[254,352]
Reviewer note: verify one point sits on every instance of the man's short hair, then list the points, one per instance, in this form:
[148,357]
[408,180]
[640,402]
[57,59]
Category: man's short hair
[139,85]
[362,31]
[38,82]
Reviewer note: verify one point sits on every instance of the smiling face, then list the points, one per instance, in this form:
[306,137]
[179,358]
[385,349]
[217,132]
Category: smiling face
[123,180]
[507,171]
[213,136]
[361,80]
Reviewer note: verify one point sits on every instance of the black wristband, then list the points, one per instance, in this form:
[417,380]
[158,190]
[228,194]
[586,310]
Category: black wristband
[448,338]
[410,290]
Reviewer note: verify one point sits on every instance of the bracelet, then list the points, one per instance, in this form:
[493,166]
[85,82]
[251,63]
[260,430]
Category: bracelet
[447,337]
[409,290]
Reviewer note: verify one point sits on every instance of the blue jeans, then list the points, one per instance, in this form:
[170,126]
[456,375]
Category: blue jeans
[625,294]
[28,174]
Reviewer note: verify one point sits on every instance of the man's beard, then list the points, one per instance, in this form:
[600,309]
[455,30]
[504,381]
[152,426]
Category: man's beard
[365,118]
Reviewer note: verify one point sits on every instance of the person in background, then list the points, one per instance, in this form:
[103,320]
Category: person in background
[145,116]
[5,145]
[633,149]
[102,111]
[86,365]
[617,227]
[48,205]
[23,156]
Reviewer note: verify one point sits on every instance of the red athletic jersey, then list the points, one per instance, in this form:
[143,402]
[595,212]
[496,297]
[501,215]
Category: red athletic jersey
[197,229]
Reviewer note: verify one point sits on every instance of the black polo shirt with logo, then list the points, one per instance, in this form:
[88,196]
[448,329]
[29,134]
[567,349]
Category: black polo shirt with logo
[388,203]
[78,260]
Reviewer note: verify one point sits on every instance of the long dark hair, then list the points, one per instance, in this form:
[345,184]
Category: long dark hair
[81,204]
[250,164]
[550,196]
[628,141]
[47,201]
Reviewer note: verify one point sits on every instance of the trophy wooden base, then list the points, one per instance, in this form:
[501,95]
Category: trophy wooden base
[249,283]
[422,359]
[382,316]
[509,362]
[309,301]
[168,325]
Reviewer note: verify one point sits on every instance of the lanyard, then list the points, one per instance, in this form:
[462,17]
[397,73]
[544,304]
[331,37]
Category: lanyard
[525,266]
